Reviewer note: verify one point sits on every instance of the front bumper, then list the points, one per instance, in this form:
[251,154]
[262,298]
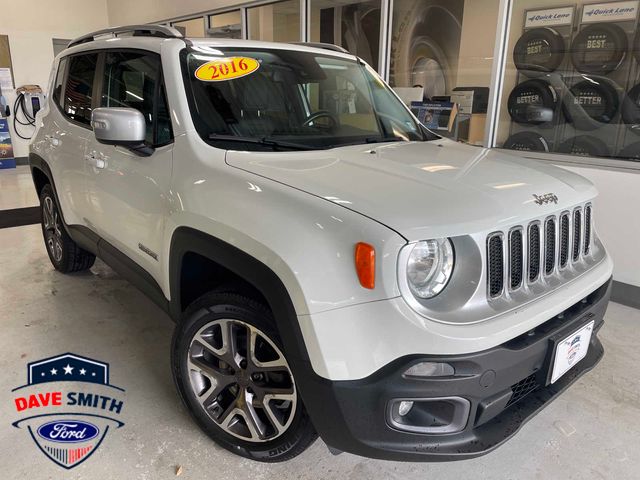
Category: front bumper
[503,388]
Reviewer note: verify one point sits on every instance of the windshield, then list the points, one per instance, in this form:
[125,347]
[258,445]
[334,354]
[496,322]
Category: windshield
[270,98]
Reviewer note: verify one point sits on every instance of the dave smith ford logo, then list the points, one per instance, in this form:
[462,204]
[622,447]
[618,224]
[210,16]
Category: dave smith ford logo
[67,407]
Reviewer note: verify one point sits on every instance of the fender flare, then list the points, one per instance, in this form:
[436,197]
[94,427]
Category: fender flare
[188,240]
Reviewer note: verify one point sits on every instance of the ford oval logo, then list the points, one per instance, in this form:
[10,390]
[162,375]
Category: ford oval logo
[68,431]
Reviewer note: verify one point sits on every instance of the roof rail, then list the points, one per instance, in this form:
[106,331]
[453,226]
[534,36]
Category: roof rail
[161,31]
[325,46]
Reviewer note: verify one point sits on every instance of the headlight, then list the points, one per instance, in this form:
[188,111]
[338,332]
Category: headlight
[429,267]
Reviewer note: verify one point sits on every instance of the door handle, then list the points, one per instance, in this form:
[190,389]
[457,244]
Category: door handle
[54,141]
[94,161]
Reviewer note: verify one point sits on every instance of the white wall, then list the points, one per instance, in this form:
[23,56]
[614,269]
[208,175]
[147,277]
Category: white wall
[31,31]
[616,218]
[123,12]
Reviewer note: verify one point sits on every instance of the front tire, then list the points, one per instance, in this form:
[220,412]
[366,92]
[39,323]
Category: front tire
[65,254]
[231,372]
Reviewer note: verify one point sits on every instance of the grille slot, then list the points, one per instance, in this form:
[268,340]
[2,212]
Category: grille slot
[577,233]
[587,229]
[549,245]
[534,251]
[522,389]
[515,258]
[495,264]
[564,240]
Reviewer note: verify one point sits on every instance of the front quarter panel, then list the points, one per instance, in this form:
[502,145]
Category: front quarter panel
[307,241]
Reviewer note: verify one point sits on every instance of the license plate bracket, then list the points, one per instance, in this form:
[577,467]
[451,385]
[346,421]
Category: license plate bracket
[568,349]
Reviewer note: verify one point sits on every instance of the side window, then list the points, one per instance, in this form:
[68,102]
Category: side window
[79,88]
[57,88]
[131,79]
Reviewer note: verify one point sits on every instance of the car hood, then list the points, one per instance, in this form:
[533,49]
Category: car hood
[424,189]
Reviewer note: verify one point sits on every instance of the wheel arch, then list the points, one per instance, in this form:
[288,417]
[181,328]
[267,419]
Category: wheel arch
[187,241]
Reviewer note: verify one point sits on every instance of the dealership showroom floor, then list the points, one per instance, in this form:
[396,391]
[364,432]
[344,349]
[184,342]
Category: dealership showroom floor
[590,432]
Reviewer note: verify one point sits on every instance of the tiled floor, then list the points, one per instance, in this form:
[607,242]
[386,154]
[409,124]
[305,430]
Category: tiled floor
[590,432]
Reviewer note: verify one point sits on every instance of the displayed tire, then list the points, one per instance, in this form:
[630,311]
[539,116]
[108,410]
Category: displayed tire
[532,102]
[584,146]
[591,103]
[526,142]
[540,50]
[630,152]
[599,48]
[636,46]
[631,109]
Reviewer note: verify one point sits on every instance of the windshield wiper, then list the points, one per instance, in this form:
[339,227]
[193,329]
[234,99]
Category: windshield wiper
[269,142]
[382,139]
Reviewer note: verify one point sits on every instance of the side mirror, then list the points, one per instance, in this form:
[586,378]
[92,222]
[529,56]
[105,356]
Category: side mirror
[121,126]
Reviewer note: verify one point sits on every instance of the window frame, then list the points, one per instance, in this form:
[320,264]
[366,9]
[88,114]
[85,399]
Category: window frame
[98,83]
[159,81]
[66,78]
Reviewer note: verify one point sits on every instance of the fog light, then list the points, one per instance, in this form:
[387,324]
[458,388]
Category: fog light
[430,369]
[404,408]
[429,415]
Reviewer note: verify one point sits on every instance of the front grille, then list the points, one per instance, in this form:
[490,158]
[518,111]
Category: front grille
[523,388]
[515,256]
[564,239]
[529,250]
[577,233]
[534,252]
[496,265]
[549,245]
[587,229]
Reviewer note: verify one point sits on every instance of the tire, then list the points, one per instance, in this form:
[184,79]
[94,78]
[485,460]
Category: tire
[529,95]
[526,142]
[631,109]
[65,255]
[538,51]
[199,355]
[608,54]
[599,101]
[584,146]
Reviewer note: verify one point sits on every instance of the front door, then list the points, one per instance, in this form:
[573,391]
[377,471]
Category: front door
[127,191]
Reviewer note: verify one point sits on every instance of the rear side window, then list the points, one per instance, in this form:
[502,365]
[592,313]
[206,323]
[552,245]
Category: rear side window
[133,80]
[79,88]
[57,88]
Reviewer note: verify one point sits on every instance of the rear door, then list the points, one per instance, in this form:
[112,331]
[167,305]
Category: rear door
[69,132]
[128,193]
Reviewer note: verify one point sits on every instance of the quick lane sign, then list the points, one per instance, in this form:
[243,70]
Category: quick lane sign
[549,17]
[610,12]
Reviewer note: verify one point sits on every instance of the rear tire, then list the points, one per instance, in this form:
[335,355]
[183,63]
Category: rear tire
[230,370]
[65,254]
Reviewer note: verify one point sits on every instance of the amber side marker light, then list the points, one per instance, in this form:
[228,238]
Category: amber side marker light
[365,256]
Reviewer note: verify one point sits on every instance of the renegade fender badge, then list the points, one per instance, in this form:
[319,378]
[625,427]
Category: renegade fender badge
[546,198]
[226,69]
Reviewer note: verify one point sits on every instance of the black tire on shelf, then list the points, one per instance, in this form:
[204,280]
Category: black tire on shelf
[526,142]
[599,100]
[599,48]
[585,146]
[636,46]
[539,50]
[527,95]
[631,109]
[630,152]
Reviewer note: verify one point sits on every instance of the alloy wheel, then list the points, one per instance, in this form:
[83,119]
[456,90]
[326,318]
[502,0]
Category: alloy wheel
[52,229]
[242,380]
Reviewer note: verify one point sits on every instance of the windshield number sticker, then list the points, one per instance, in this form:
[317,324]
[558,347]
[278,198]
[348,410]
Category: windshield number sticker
[226,69]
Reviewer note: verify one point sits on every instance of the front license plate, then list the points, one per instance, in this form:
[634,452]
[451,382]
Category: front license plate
[571,350]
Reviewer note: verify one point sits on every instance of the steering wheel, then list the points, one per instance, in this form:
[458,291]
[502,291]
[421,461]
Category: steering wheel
[321,114]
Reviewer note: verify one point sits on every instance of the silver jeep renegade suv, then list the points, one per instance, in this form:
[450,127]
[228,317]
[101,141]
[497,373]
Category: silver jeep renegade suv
[333,267]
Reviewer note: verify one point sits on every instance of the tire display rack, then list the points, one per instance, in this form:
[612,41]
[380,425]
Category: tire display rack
[593,115]
[535,103]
